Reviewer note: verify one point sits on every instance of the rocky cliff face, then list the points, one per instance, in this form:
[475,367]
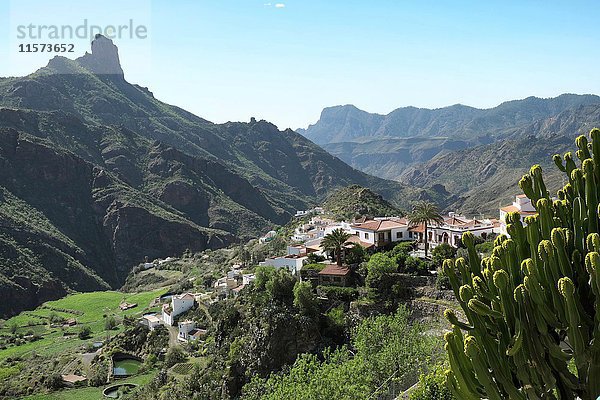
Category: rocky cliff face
[104,59]
[89,228]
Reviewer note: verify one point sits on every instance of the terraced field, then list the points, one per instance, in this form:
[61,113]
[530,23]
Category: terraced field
[88,309]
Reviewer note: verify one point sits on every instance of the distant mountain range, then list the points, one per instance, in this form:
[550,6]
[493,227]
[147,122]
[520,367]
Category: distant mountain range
[384,145]
[97,174]
[476,155]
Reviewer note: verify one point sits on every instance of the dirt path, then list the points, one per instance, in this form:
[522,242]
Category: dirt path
[173,333]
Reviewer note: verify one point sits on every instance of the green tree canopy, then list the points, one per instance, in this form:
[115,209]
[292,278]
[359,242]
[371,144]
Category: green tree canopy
[378,266]
[442,252]
[383,345]
[305,299]
[175,355]
[334,243]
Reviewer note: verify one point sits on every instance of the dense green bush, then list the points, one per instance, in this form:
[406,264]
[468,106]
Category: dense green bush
[305,299]
[110,323]
[415,266]
[53,381]
[85,332]
[313,267]
[338,293]
[98,373]
[174,356]
[379,265]
[484,248]
[355,255]
[432,386]
[442,282]
[314,258]
[441,253]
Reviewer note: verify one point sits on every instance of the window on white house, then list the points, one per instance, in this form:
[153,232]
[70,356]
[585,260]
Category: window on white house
[366,235]
[398,235]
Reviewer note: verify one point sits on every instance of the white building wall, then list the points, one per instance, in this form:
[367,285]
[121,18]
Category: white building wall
[404,234]
[185,327]
[248,279]
[523,204]
[365,235]
[292,264]
[181,305]
[167,318]
[454,235]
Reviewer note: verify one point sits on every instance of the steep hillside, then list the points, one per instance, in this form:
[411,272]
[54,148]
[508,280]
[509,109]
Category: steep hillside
[116,175]
[485,176]
[356,200]
[386,145]
[388,157]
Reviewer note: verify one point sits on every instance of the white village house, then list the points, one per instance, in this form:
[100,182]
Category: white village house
[179,304]
[268,237]
[316,228]
[316,210]
[296,257]
[188,332]
[151,321]
[381,231]
[184,329]
[232,283]
[522,205]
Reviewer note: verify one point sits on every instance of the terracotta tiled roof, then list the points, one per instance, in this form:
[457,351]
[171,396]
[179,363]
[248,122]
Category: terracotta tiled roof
[186,296]
[419,228]
[197,333]
[237,289]
[382,225]
[316,245]
[334,269]
[513,209]
[369,225]
[454,221]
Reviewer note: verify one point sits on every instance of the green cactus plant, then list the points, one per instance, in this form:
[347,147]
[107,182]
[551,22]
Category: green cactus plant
[532,308]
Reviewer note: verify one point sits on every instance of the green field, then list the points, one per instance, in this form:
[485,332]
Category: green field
[88,309]
[88,393]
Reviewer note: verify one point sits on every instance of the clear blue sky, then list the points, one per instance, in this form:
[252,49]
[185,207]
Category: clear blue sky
[230,60]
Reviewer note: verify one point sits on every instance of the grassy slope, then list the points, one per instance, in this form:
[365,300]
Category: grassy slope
[88,393]
[87,308]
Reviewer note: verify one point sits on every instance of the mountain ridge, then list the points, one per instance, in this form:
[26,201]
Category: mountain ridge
[416,121]
[385,145]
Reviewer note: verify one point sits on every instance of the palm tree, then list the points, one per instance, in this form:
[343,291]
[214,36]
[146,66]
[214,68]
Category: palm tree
[334,242]
[425,212]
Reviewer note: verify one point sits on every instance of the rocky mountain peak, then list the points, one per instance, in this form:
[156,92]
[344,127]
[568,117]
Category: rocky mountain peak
[104,59]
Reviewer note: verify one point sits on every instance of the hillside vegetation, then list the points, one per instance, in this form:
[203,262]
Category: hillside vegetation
[355,200]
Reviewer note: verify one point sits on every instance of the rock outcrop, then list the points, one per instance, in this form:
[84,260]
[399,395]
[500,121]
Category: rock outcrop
[104,59]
